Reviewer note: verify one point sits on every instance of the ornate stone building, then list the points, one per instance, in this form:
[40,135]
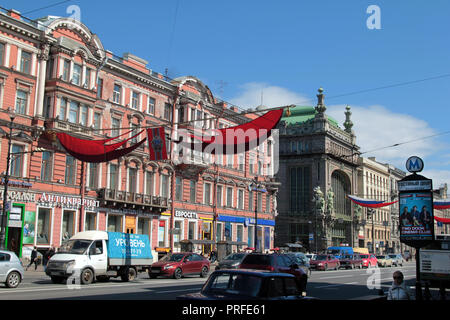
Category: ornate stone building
[317,170]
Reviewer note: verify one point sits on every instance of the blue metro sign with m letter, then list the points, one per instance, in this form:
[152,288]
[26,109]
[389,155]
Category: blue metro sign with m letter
[414,164]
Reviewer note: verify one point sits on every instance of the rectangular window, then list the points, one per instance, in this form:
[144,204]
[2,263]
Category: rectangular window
[46,167]
[93,175]
[73,111]
[2,54]
[25,62]
[267,203]
[99,88]
[178,188]
[192,191]
[191,232]
[219,232]
[151,105]
[240,199]
[207,194]
[87,82]
[149,183]
[239,233]
[167,111]
[66,70]
[17,158]
[114,223]
[115,125]
[62,109]
[230,160]
[43,226]
[113,176]
[241,162]
[97,120]
[21,102]
[164,186]
[117,94]
[91,221]
[68,226]
[144,226]
[76,77]
[229,197]
[219,196]
[70,170]
[300,182]
[259,201]
[132,180]
[84,115]
[135,100]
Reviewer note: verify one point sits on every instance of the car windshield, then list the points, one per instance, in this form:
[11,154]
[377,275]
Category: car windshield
[75,246]
[234,284]
[393,256]
[176,257]
[334,251]
[321,257]
[235,256]
[380,257]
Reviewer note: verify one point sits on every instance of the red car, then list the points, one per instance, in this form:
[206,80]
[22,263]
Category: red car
[276,263]
[369,260]
[324,262]
[179,264]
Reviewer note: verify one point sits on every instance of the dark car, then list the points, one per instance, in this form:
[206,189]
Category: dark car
[231,261]
[275,263]
[324,262]
[248,285]
[351,261]
[179,264]
[301,259]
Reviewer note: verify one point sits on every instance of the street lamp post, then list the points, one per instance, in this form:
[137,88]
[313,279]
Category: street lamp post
[254,186]
[12,116]
[371,212]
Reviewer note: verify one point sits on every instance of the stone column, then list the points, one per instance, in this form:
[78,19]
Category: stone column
[43,57]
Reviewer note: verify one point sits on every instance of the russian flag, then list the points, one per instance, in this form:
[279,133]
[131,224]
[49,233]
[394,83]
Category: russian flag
[440,205]
[370,203]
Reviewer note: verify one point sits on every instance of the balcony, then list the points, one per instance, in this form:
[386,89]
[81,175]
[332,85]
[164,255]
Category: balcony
[68,126]
[126,199]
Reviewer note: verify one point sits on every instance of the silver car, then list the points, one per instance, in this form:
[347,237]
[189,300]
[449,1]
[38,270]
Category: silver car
[11,269]
[397,259]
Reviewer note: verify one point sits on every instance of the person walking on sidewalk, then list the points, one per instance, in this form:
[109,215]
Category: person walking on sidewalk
[33,259]
[399,290]
[50,252]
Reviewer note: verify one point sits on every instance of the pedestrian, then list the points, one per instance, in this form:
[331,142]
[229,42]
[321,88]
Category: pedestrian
[50,252]
[399,290]
[33,258]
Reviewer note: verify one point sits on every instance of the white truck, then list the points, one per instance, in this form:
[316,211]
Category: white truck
[91,255]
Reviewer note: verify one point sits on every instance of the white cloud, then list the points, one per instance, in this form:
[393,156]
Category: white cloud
[376,127]
[272,96]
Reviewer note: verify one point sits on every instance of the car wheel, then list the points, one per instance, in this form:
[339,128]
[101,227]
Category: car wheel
[129,274]
[178,274]
[360,266]
[204,272]
[87,276]
[13,280]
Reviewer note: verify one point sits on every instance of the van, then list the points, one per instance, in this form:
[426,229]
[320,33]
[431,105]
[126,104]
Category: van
[338,252]
[91,255]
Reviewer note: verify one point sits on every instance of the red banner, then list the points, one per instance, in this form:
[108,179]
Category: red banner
[157,143]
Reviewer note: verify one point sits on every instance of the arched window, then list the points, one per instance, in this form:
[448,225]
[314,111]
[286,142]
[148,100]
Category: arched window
[341,188]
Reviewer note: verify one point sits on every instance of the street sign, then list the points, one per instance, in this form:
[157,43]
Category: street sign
[414,164]
[311,236]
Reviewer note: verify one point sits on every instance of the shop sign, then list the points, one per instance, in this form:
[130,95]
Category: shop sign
[51,200]
[16,183]
[21,196]
[185,214]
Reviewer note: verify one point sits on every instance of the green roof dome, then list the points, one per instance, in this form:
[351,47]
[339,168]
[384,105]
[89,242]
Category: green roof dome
[300,114]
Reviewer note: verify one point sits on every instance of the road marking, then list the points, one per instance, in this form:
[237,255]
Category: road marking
[336,285]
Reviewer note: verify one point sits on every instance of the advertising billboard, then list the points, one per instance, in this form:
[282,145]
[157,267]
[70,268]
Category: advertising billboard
[416,215]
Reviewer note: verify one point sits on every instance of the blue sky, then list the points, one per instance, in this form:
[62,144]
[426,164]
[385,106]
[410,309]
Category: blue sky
[288,49]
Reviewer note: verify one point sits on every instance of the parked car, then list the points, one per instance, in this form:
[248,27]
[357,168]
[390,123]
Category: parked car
[369,260]
[301,259]
[310,256]
[11,269]
[384,261]
[276,263]
[324,262]
[351,261]
[231,261]
[248,285]
[397,259]
[179,264]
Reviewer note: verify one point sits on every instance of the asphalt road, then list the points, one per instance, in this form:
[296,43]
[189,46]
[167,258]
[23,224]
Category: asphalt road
[327,285]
